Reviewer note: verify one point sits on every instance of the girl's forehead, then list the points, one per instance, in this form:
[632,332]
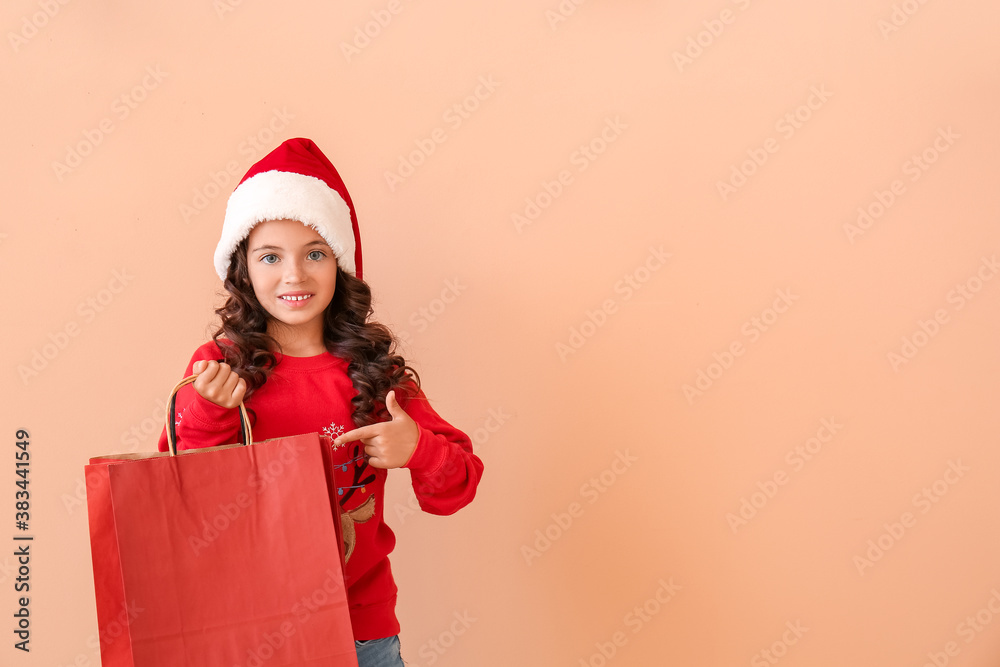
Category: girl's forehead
[289,231]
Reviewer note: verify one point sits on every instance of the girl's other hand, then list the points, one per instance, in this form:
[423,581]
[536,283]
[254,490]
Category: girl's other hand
[388,444]
[219,383]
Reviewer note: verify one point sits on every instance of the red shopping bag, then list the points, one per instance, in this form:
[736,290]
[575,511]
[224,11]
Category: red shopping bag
[219,557]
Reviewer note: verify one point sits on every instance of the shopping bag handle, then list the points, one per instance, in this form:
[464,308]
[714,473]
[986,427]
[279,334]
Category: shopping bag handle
[245,435]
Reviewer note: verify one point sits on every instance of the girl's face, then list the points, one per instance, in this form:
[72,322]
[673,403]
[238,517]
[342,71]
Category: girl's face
[294,275]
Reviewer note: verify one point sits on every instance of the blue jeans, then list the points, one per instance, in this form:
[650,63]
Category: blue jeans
[379,652]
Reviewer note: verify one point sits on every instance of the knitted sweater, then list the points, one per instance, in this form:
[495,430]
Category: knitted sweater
[313,394]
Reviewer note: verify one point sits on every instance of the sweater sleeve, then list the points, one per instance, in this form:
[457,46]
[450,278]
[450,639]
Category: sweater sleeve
[444,471]
[199,422]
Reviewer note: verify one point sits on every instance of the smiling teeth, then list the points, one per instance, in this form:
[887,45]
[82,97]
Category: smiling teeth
[296,298]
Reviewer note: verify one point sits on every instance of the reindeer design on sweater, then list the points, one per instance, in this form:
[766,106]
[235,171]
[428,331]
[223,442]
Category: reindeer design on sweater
[362,512]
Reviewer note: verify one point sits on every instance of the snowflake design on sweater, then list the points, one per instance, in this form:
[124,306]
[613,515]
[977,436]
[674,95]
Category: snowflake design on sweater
[331,432]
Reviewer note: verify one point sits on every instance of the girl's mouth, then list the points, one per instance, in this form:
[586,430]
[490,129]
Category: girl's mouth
[296,300]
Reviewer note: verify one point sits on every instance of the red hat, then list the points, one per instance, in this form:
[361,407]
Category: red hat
[294,181]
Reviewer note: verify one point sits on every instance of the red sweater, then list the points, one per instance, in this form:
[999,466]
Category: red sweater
[313,394]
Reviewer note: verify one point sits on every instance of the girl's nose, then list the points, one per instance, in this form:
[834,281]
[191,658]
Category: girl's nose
[294,271]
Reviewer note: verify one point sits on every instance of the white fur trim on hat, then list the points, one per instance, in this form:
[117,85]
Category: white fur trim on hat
[278,195]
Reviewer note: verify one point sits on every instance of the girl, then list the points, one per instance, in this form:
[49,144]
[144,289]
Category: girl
[295,344]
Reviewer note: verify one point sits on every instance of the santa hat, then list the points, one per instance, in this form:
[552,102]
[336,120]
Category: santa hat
[294,181]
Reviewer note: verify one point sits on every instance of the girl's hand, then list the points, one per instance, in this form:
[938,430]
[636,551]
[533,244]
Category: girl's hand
[388,444]
[218,383]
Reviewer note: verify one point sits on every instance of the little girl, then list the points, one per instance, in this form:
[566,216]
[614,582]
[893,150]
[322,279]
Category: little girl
[295,344]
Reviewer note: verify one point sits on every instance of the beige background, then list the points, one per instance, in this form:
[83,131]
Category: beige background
[120,117]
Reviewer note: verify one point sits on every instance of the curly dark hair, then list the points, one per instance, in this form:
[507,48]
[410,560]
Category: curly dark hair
[370,348]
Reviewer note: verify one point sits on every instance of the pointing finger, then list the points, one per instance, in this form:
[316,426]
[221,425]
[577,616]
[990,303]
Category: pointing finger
[357,434]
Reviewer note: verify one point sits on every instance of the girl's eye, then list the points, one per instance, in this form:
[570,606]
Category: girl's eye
[269,259]
[317,255]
